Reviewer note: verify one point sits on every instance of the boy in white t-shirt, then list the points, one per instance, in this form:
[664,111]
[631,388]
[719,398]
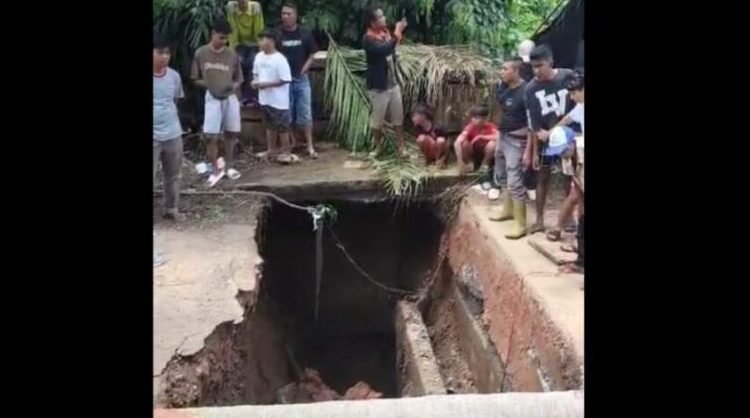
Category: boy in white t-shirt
[271,76]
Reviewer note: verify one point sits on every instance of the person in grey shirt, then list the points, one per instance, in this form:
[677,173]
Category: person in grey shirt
[167,133]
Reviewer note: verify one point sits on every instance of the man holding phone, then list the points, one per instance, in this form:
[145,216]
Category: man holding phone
[382,84]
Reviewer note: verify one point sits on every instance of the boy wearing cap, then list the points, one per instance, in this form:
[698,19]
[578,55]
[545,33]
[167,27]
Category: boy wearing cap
[576,90]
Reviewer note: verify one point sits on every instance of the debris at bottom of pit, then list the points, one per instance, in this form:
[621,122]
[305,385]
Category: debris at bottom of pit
[311,388]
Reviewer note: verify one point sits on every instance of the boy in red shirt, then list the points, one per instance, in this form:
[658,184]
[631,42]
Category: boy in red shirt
[477,141]
[430,136]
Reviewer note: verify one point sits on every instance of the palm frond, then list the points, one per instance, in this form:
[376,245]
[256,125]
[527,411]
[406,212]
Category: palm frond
[346,98]
[400,176]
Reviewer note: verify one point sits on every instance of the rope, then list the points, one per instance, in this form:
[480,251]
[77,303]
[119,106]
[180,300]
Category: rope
[363,272]
[318,264]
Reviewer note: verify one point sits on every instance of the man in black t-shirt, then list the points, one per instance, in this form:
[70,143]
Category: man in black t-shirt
[547,102]
[514,147]
[298,46]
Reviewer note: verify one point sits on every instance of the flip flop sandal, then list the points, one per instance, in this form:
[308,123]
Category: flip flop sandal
[313,155]
[233,174]
[568,248]
[553,235]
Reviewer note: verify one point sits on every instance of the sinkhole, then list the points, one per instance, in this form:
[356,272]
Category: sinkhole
[389,322]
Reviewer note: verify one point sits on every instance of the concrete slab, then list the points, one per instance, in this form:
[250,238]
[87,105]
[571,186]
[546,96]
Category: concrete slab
[197,288]
[551,250]
[499,405]
[417,367]
[335,171]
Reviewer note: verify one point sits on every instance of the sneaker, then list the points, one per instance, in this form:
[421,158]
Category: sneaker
[233,174]
[214,178]
[479,189]
[493,194]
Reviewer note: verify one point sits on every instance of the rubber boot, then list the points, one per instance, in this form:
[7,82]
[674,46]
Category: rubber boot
[518,229]
[505,213]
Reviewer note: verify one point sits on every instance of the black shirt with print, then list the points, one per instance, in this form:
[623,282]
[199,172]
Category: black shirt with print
[548,101]
[297,46]
[513,105]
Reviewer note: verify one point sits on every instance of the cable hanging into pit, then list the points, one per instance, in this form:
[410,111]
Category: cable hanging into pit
[323,215]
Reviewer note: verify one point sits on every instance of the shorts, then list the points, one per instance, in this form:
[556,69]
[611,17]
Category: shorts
[300,101]
[431,149]
[276,120]
[386,101]
[221,115]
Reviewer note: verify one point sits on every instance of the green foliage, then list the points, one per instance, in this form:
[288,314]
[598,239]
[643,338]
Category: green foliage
[493,26]
[187,24]
[424,71]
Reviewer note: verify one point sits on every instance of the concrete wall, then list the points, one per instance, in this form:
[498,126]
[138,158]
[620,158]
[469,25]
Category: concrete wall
[416,365]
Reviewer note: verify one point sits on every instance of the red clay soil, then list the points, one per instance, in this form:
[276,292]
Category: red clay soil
[311,388]
[516,324]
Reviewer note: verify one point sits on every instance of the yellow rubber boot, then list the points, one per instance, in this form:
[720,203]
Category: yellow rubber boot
[505,213]
[518,229]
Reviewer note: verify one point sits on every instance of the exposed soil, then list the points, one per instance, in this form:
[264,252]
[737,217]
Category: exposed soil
[452,362]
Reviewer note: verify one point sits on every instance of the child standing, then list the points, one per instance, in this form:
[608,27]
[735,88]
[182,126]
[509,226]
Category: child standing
[575,87]
[271,76]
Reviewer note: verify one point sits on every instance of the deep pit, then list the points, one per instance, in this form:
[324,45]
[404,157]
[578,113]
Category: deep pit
[353,338]
[431,340]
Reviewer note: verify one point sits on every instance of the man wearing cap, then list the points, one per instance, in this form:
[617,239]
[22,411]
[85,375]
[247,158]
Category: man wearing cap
[547,102]
[524,51]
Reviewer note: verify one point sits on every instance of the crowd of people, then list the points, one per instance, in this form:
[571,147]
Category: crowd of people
[538,124]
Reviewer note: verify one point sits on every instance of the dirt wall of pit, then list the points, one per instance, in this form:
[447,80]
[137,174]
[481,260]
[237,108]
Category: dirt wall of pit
[536,353]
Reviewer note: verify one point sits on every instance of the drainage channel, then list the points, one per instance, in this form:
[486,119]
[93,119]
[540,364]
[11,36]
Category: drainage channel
[367,342]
